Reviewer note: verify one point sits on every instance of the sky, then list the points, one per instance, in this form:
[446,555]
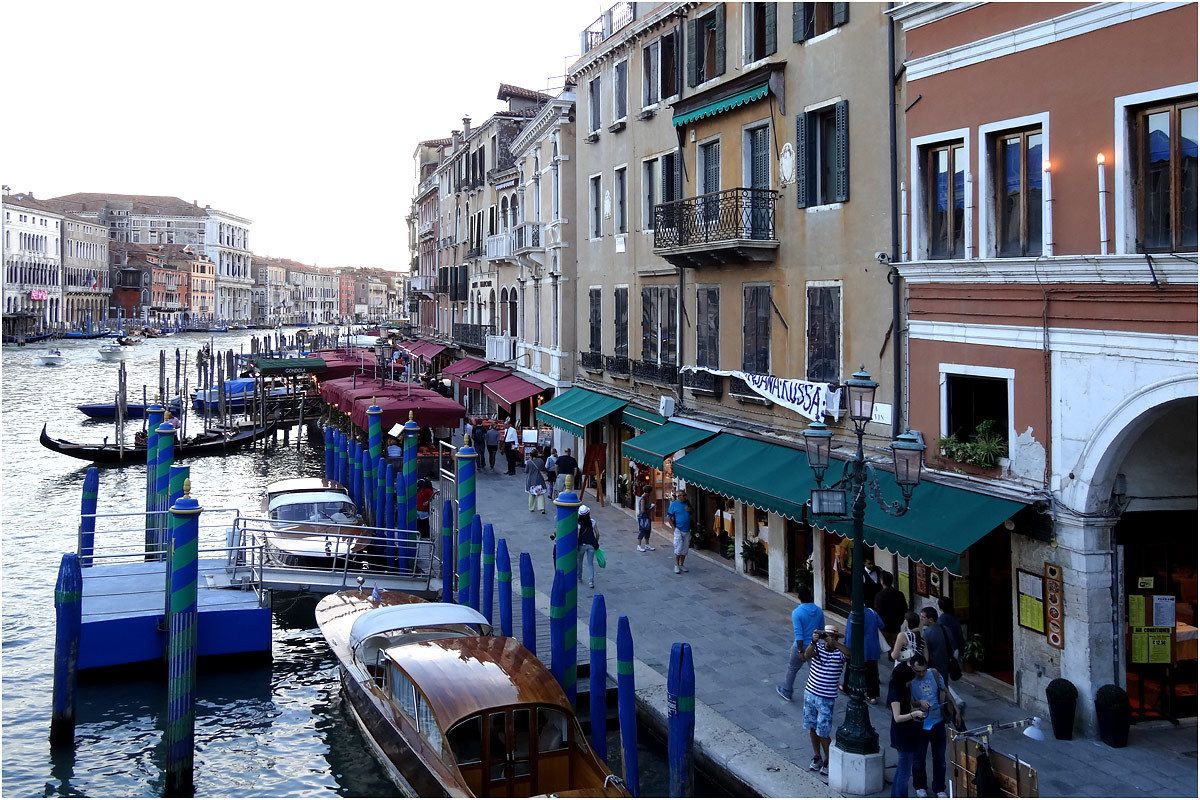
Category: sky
[301,116]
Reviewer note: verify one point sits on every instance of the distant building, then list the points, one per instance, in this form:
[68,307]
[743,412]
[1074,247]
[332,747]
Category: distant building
[32,272]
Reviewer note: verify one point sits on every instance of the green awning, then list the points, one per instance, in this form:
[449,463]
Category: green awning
[640,419]
[576,408]
[651,448]
[767,476]
[289,366]
[721,106]
[941,523]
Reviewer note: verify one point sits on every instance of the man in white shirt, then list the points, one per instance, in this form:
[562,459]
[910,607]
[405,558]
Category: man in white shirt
[468,430]
[510,449]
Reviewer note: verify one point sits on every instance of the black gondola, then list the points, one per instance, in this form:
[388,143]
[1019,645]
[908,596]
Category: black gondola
[212,443]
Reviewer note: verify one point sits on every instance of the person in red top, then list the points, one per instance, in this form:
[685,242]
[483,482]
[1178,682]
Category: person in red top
[424,496]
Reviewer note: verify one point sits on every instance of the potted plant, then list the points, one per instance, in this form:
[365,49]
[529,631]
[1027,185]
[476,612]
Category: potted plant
[984,449]
[728,551]
[1060,696]
[750,548]
[973,653]
[1112,715]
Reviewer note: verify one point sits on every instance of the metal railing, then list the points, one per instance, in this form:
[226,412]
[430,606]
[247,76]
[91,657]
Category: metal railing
[472,334]
[591,360]
[617,365]
[474,252]
[702,381]
[728,215]
[655,372]
[615,18]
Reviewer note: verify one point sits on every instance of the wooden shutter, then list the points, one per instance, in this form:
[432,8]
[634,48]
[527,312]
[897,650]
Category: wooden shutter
[803,162]
[720,59]
[770,20]
[748,329]
[824,332]
[693,52]
[801,14]
[841,179]
[764,329]
[677,58]
[648,332]
[841,14]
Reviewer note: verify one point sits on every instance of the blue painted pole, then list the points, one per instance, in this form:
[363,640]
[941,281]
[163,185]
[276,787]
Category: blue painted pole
[182,634]
[380,487]
[400,550]
[355,475]
[411,435]
[567,561]
[447,551]
[627,706]
[528,618]
[87,518]
[681,721]
[368,485]
[329,453]
[464,563]
[162,486]
[476,559]
[558,650]
[154,418]
[504,586]
[342,458]
[598,676]
[68,622]
[489,571]
[389,521]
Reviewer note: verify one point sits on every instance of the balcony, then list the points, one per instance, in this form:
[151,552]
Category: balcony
[469,334]
[591,361]
[421,283]
[617,365]
[704,382]
[474,252]
[501,348]
[653,372]
[617,17]
[727,227]
[527,237]
[498,247]
[427,228]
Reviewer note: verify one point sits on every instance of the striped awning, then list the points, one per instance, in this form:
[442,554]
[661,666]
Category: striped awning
[721,106]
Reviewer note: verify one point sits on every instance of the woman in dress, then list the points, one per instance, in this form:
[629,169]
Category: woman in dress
[535,482]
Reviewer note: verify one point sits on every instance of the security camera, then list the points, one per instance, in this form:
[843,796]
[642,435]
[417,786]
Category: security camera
[882,257]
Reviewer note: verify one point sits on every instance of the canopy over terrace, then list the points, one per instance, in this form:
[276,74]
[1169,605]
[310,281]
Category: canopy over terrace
[344,363]
[343,392]
[429,410]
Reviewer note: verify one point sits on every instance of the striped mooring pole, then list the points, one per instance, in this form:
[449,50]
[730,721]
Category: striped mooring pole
[375,430]
[68,623]
[154,418]
[627,706]
[447,551]
[476,559]
[528,618]
[489,571]
[681,721]
[380,488]
[182,624]
[464,564]
[567,561]
[559,655]
[398,539]
[504,586]
[368,485]
[598,675]
[465,465]
[162,486]
[411,433]
[355,473]
[328,430]
[87,515]
[180,474]
[391,488]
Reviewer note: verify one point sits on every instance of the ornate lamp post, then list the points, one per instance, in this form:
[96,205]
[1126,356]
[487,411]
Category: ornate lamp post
[381,354]
[856,735]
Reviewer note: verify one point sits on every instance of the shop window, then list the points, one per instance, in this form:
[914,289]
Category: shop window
[754,547]
[714,530]
[1017,160]
[706,46]
[799,555]
[1165,177]
[945,168]
[838,563]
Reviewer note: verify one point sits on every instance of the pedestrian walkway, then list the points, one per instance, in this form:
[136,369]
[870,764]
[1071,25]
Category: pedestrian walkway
[740,632]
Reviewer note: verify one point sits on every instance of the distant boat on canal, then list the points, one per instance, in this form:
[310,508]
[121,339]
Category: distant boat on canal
[212,443]
[108,411]
[50,358]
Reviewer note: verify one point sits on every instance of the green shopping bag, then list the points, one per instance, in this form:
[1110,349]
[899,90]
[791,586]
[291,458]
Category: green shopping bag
[600,557]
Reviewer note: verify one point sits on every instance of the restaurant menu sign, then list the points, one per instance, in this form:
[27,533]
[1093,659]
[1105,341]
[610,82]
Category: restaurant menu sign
[810,400]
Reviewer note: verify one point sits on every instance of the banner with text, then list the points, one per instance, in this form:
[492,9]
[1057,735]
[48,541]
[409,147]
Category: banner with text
[810,400]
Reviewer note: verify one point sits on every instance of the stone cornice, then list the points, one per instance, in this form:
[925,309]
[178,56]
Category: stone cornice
[914,15]
[546,119]
[1119,269]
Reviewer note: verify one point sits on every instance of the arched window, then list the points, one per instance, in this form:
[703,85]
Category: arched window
[504,213]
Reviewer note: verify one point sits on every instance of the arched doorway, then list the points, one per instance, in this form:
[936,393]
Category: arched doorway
[512,310]
[504,329]
[491,320]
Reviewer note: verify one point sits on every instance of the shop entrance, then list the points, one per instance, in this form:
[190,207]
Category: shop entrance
[989,596]
[799,553]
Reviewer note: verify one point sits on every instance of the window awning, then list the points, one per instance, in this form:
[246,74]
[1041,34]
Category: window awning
[742,98]
[640,419]
[653,447]
[478,378]
[767,476]
[463,366]
[576,408]
[941,523]
[511,390]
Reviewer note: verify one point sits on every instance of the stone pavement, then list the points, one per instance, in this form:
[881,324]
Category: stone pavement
[740,632]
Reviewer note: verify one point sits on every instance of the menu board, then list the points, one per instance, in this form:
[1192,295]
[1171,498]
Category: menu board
[1137,610]
[1164,610]
[1151,644]
[1031,605]
[902,583]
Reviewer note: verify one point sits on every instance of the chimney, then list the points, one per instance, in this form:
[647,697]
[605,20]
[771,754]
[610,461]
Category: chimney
[456,139]
[466,127]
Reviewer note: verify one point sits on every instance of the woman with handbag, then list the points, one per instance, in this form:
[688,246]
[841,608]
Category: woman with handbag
[535,482]
[588,542]
[909,641]
[644,506]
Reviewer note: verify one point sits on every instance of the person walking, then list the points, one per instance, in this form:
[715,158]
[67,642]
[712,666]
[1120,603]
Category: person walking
[468,430]
[564,466]
[535,482]
[872,628]
[909,641]
[951,626]
[479,442]
[679,514]
[827,657]
[930,694]
[510,449]
[493,444]
[872,580]
[937,641]
[806,618]
[588,542]
[891,607]
[551,474]
[906,726]
[643,506]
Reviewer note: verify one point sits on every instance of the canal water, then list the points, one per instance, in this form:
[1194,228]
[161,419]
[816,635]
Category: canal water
[277,729]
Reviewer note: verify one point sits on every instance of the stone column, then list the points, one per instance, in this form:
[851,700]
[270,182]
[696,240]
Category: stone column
[739,533]
[777,552]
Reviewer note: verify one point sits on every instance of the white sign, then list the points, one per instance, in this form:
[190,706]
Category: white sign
[787,164]
[810,400]
[882,413]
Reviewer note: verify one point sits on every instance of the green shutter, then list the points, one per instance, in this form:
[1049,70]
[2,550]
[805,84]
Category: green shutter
[770,20]
[677,56]
[841,180]
[800,17]
[841,14]
[802,161]
[720,12]
[693,51]
[678,164]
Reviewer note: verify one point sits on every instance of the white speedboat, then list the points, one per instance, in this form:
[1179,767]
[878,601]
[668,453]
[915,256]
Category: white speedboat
[51,358]
[314,523]
[112,352]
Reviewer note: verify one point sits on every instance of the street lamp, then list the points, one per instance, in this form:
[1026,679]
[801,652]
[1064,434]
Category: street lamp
[381,352]
[856,735]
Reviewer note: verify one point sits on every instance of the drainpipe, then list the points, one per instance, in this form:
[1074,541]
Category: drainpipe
[894,275]
[679,340]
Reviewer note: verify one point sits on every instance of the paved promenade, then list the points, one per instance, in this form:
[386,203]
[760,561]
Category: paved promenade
[740,632]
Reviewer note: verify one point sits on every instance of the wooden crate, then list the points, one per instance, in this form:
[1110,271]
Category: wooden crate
[1015,778]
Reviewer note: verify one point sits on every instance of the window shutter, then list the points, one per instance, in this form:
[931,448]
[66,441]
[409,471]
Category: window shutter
[748,12]
[800,17]
[802,161]
[748,345]
[769,19]
[677,58]
[677,162]
[693,51]
[647,326]
[720,12]
[841,14]
[764,335]
[841,180]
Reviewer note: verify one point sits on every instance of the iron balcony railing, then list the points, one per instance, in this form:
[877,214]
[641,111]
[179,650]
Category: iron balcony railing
[725,216]
[471,334]
[702,381]
[617,365]
[474,252]
[591,360]
[615,18]
[654,372]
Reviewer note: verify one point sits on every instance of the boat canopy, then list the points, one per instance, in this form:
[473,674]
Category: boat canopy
[413,615]
[297,498]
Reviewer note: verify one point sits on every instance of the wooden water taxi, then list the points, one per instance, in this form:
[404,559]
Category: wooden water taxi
[309,519]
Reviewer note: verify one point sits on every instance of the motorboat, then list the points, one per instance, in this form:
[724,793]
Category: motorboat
[239,392]
[450,710]
[50,358]
[128,341]
[112,352]
[313,523]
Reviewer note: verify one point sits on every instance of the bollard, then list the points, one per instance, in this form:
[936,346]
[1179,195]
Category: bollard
[567,561]
[559,655]
[162,486]
[87,515]
[627,706]
[328,452]
[154,418]
[368,486]
[389,520]
[598,676]
[464,564]
[179,474]
[528,618]
[182,624]
[489,571]
[465,466]
[400,548]
[375,430]
[68,622]
[504,587]
[681,721]
[476,558]
[411,432]
[447,551]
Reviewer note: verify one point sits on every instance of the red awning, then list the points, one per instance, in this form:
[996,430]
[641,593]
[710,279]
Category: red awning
[463,366]
[433,350]
[511,390]
[342,392]
[430,411]
[477,379]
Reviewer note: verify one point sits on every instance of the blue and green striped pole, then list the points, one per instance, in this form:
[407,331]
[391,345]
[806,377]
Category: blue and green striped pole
[567,561]
[681,721]
[400,540]
[627,706]
[380,488]
[558,648]
[154,418]
[389,522]
[598,675]
[465,465]
[68,623]
[447,551]
[87,515]
[412,433]
[329,453]
[504,586]
[356,475]
[528,615]
[464,564]
[375,430]
[162,486]
[342,460]
[182,624]
[476,558]
[367,479]
[489,571]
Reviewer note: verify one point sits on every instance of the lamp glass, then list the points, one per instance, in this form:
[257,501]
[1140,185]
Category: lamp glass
[817,438]
[1034,731]
[829,502]
[907,452]
[861,398]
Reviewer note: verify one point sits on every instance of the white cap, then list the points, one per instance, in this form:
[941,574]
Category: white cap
[584,510]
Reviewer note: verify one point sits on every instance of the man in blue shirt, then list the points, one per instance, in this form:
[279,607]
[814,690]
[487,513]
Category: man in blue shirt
[872,627]
[806,618]
[679,514]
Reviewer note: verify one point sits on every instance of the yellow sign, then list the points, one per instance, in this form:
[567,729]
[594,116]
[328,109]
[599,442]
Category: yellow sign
[1152,645]
[962,593]
[902,583]
[1032,613]
[1140,647]
[1137,610]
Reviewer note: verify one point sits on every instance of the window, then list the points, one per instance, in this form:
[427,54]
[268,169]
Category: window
[672,178]
[1018,165]
[594,320]
[537,313]
[668,69]
[824,333]
[659,315]
[1165,177]
[650,80]
[945,166]
[621,321]
[595,206]
[706,46]
[622,221]
[594,105]
[620,90]
[708,176]
[972,400]
[758,28]
[756,329]
[554,312]
[650,192]
[823,156]
[708,327]
[810,20]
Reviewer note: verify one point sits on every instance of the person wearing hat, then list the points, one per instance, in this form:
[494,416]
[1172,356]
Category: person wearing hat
[588,540]
[827,658]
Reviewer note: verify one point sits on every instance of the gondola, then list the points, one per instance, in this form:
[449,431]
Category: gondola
[213,443]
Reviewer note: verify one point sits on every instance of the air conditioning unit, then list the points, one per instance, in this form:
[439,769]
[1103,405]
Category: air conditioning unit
[666,406]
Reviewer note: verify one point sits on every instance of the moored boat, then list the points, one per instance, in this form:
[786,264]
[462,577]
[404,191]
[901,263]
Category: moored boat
[51,358]
[452,711]
[132,410]
[309,519]
[212,443]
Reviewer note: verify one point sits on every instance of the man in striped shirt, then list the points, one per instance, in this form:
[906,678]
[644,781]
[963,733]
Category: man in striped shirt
[827,658]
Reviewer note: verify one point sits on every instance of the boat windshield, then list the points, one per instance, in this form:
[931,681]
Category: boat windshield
[313,512]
